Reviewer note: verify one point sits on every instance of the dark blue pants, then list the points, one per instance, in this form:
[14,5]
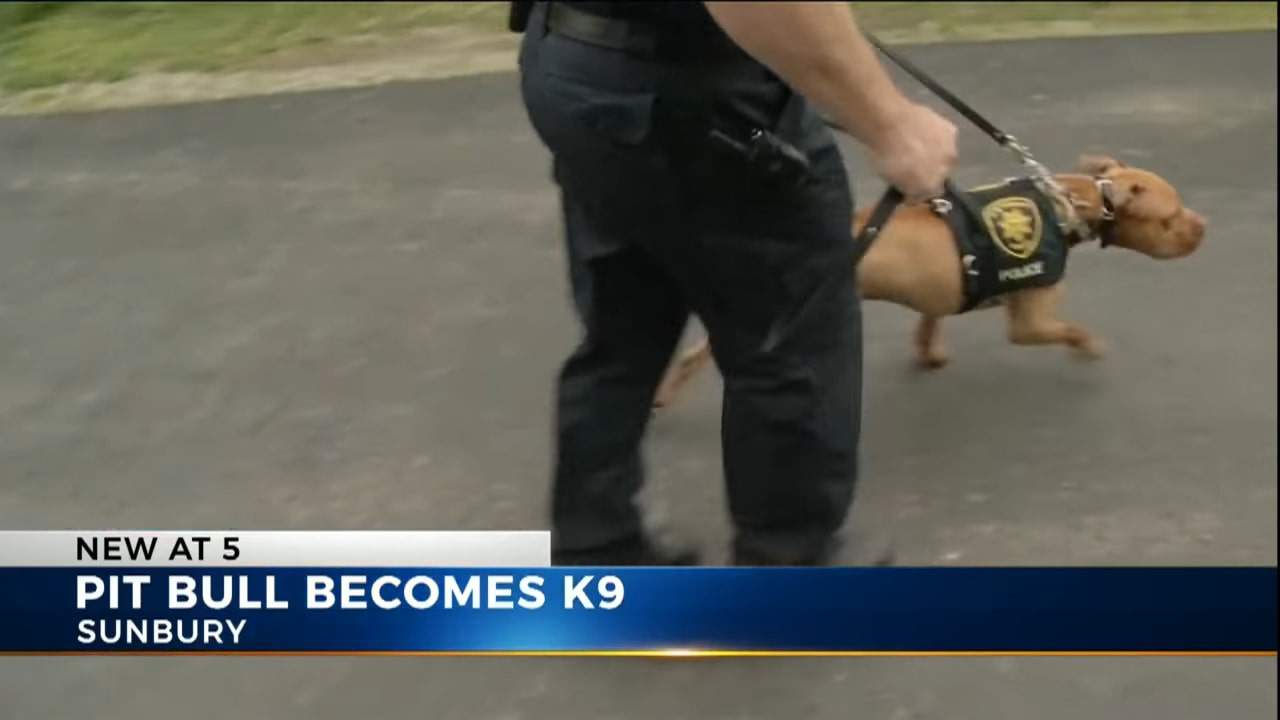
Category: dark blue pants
[658,225]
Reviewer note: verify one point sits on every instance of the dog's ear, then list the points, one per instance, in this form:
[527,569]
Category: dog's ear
[1124,193]
[1098,164]
[1145,196]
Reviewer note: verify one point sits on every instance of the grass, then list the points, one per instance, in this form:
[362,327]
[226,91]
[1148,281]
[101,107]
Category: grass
[965,18]
[50,43]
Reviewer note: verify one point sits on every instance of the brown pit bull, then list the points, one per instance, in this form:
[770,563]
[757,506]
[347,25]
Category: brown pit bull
[915,263]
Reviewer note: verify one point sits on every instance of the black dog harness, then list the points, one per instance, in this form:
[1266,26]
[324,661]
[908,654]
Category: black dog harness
[1015,236]
[1008,236]
[1012,236]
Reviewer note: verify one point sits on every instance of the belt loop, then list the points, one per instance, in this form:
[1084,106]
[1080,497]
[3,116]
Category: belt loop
[544,22]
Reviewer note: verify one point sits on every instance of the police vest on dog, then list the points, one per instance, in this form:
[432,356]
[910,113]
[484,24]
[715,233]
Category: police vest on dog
[1009,239]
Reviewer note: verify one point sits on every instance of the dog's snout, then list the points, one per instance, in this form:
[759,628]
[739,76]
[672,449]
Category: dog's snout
[1197,222]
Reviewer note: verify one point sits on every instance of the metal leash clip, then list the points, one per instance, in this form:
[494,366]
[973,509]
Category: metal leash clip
[1049,185]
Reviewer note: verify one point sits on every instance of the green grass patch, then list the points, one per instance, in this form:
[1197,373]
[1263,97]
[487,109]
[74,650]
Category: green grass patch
[49,43]
[897,15]
[975,20]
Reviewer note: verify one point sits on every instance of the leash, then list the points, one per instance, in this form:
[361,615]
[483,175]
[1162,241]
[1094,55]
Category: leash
[1001,138]
[892,197]
[1072,224]
[889,202]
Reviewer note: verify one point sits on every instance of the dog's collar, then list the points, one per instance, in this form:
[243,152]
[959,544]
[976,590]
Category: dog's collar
[1101,228]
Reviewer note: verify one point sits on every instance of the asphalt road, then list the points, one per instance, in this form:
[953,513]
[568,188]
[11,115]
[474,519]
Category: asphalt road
[344,310]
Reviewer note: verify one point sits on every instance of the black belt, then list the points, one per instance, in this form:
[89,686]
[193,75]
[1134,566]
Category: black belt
[645,40]
[613,33]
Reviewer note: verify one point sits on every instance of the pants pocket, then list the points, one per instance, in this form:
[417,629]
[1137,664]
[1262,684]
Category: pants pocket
[566,108]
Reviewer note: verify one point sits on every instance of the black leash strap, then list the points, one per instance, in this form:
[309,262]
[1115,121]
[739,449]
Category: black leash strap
[889,202]
[1001,137]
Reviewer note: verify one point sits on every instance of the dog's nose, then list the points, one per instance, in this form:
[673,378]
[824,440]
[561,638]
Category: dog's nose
[1197,221]
[1195,232]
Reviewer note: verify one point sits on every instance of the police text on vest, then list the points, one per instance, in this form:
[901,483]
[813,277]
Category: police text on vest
[1022,272]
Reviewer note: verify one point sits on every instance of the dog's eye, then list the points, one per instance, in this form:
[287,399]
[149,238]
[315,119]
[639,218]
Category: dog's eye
[1135,189]
[1166,223]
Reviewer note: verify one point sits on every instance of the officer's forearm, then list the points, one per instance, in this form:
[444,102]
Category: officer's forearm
[816,47]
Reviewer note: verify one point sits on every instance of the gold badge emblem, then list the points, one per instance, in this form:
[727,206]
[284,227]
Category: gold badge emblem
[1015,224]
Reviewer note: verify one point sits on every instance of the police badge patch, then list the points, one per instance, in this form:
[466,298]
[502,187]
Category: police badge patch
[1009,237]
[1014,223]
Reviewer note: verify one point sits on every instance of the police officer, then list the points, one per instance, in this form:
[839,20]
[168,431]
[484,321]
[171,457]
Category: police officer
[696,177]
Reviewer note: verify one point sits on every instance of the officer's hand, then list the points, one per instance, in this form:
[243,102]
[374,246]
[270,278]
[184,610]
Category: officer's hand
[917,152]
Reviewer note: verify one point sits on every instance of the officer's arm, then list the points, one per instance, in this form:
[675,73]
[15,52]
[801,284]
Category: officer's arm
[816,48]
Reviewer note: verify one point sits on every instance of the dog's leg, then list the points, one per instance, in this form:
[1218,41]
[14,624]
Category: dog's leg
[689,363]
[930,352]
[1033,320]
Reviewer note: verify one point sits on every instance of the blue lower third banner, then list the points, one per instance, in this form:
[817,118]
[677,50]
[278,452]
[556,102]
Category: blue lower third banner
[521,610]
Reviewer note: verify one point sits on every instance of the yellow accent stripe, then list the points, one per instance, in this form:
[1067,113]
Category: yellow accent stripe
[656,653]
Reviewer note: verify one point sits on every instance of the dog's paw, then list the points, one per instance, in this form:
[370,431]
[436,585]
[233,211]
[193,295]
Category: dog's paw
[1089,350]
[934,359]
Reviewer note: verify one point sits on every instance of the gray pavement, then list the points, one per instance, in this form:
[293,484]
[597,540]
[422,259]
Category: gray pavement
[345,309]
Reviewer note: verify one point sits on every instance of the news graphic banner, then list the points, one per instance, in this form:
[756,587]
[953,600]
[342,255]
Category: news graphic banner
[442,592]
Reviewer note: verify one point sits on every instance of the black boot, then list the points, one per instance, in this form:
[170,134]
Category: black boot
[861,550]
[641,550]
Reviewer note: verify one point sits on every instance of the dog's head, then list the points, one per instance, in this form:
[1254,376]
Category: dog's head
[1149,215]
